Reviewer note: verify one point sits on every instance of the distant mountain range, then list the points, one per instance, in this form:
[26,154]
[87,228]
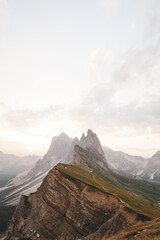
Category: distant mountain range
[62,150]
[139,167]
[80,200]
[12,165]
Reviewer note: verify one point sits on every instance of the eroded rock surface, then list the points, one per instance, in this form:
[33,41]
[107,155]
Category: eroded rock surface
[65,208]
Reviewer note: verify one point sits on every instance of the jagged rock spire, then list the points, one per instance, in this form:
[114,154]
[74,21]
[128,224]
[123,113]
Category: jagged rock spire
[91,141]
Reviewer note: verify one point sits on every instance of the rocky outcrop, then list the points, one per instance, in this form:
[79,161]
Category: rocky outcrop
[61,150]
[66,208]
[90,159]
[138,167]
[91,141]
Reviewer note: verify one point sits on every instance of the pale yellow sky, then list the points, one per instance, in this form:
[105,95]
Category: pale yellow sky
[66,66]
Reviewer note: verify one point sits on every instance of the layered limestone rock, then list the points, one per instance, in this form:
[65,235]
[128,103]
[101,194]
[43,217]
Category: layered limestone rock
[61,150]
[91,141]
[65,208]
[90,160]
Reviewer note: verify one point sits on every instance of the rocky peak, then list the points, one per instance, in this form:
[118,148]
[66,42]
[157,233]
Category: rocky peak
[91,141]
[90,160]
[59,145]
[81,159]
[82,138]
[157,154]
[69,158]
[66,208]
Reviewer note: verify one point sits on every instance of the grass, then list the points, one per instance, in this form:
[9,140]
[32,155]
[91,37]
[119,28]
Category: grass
[134,203]
[146,189]
[144,231]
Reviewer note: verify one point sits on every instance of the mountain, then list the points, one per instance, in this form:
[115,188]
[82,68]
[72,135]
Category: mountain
[94,162]
[29,181]
[12,165]
[91,141]
[71,198]
[148,230]
[61,150]
[124,162]
[141,168]
[152,170]
[89,154]
[73,203]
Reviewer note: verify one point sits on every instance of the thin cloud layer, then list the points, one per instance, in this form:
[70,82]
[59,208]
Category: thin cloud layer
[26,118]
[100,69]
[4,14]
[110,5]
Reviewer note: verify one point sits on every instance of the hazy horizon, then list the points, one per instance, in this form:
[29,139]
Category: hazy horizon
[134,152]
[66,66]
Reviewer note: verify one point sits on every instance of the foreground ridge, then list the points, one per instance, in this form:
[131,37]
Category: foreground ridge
[71,204]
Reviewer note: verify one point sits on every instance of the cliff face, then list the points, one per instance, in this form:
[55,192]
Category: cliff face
[90,159]
[61,150]
[89,155]
[91,141]
[65,208]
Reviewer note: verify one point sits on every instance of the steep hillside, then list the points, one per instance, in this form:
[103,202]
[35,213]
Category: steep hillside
[91,160]
[131,201]
[12,164]
[72,204]
[123,162]
[61,150]
[85,200]
[144,231]
[141,168]
[29,181]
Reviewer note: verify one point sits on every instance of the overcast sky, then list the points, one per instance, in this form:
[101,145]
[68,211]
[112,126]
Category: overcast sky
[66,66]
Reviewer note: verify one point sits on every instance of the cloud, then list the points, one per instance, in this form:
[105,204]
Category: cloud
[110,5]
[132,25]
[24,119]
[4,13]
[151,19]
[125,93]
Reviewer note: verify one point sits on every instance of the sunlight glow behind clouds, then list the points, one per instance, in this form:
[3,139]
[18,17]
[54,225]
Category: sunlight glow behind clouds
[4,14]
[110,5]
[66,68]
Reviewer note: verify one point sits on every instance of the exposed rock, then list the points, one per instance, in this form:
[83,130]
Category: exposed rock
[12,165]
[69,158]
[59,146]
[138,167]
[60,150]
[65,208]
[90,159]
[91,141]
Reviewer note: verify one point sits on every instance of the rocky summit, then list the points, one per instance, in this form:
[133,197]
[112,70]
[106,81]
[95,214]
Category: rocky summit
[66,208]
[81,198]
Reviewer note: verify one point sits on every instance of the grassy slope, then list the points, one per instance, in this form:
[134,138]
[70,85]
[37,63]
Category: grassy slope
[131,201]
[145,231]
[146,189]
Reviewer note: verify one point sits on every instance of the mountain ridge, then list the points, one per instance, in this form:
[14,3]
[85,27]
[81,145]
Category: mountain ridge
[62,150]
[134,200]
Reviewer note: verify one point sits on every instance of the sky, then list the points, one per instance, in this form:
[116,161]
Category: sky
[69,66]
